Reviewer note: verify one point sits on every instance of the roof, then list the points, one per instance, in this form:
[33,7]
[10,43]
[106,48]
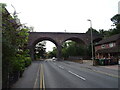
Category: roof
[109,50]
[109,39]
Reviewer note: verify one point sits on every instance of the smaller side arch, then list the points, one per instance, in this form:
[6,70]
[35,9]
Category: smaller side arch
[76,39]
[81,45]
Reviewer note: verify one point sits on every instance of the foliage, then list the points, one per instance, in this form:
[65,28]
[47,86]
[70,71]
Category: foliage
[52,53]
[14,41]
[116,22]
[116,19]
[94,31]
[40,50]
[27,61]
[73,49]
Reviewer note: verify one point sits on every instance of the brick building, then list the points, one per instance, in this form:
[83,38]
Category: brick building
[108,48]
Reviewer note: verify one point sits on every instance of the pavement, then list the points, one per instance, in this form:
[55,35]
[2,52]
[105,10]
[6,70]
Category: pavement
[113,67]
[90,63]
[29,76]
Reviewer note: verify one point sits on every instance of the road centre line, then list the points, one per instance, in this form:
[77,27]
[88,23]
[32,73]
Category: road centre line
[77,75]
[42,83]
[35,84]
[43,80]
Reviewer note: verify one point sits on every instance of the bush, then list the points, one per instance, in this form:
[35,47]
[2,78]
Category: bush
[15,54]
[27,61]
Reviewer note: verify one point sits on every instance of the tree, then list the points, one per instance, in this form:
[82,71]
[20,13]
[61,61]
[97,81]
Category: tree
[40,50]
[116,19]
[72,48]
[116,22]
[52,53]
[15,55]
[94,31]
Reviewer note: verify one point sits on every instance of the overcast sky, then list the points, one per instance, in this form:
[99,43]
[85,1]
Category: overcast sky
[61,15]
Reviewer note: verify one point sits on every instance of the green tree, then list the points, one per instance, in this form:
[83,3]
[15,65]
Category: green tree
[94,31]
[72,48]
[15,55]
[116,20]
[40,50]
[52,53]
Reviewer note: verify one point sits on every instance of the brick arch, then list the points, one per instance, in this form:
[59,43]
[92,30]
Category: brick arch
[76,39]
[43,39]
[37,40]
[57,38]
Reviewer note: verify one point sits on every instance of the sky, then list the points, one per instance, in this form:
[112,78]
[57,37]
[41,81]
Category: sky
[64,15]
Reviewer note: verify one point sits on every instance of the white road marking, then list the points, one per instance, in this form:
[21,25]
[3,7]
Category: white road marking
[77,75]
[61,67]
[72,72]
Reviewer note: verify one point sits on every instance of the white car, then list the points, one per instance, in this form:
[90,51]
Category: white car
[54,59]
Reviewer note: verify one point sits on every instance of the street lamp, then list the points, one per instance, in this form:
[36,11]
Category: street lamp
[91,39]
[65,30]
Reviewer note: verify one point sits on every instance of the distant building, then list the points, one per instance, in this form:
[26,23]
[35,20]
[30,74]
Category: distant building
[108,48]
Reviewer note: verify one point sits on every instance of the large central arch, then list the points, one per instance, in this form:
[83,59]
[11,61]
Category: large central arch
[42,39]
[58,38]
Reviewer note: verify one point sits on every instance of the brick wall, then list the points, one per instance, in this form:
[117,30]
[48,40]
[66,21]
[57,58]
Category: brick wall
[103,46]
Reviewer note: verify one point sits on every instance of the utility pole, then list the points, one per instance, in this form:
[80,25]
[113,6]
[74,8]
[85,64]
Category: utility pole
[91,40]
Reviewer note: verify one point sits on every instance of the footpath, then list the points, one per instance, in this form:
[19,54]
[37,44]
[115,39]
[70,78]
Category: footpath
[113,67]
[111,70]
[28,78]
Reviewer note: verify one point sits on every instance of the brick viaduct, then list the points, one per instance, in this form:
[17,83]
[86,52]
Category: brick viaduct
[58,38]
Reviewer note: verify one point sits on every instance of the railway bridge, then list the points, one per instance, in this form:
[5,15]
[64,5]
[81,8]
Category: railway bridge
[58,38]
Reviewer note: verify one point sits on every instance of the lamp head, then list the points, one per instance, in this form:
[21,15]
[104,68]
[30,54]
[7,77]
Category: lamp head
[89,20]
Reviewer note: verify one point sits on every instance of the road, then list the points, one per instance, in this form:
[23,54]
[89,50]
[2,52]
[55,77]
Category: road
[65,74]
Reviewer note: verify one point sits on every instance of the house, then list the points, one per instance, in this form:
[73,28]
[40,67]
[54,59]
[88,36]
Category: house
[108,48]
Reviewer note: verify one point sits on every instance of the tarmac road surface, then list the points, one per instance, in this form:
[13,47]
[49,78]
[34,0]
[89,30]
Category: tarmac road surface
[65,74]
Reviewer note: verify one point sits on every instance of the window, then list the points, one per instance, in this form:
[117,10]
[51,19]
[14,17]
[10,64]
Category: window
[111,45]
[102,46]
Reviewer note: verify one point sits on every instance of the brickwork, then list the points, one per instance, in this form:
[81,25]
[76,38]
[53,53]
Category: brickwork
[58,38]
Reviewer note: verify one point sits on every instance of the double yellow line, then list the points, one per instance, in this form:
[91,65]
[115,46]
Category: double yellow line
[41,78]
[42,82]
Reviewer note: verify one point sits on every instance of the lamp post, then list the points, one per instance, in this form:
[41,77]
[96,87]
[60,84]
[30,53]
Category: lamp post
[91,40]
[65,30]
